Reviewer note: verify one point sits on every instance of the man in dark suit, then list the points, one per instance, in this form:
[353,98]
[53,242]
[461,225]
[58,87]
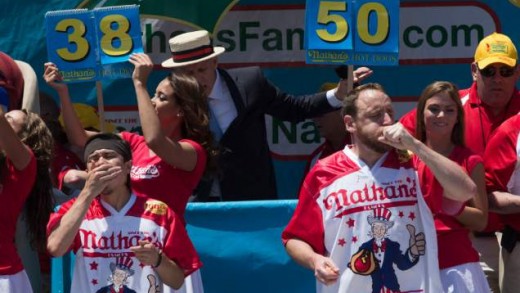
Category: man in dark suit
[238,100]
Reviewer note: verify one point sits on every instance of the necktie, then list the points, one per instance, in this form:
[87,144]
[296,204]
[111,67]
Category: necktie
[381,248]
[213,125]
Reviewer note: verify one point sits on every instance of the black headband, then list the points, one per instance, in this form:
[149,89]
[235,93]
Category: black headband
[110,143]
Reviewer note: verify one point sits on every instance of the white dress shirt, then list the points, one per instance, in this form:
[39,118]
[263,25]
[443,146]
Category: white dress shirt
[221,104]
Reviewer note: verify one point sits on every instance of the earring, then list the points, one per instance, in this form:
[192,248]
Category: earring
[179,114]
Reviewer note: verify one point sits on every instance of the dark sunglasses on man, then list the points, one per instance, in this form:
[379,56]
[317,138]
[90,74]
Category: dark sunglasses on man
[490,71]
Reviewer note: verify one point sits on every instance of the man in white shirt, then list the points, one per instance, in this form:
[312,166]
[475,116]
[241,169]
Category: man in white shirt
[367,182]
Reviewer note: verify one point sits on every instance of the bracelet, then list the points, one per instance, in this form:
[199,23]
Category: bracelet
[158,260]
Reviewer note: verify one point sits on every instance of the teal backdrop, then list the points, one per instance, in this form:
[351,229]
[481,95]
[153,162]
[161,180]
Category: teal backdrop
[436,42]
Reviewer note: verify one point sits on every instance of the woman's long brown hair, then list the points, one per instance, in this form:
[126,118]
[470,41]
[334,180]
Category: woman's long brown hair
[40,202]
[190,97]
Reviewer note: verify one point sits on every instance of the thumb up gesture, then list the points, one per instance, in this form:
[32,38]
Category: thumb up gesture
[417,242]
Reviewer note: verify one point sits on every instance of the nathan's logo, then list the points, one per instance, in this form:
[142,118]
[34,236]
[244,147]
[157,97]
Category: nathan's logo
[148,172]
[120,241]
[155,207]
[498,49]
[78,74]
[372,193]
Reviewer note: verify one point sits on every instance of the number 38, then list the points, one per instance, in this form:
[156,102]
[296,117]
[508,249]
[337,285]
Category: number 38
[78,32]
[326,16]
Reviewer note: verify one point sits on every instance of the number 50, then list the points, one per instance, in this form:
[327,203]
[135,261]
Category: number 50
[329,13]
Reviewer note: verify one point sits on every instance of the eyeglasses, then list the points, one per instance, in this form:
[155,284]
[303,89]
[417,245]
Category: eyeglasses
[490,71]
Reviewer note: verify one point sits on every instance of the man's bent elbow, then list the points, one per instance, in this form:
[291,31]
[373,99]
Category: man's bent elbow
[55,249]
[55,245]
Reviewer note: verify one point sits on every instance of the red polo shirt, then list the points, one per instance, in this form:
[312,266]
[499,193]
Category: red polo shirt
[479,123]
[501,160]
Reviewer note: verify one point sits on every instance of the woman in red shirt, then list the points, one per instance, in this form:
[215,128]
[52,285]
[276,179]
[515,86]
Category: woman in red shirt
[25,154]
[440,125]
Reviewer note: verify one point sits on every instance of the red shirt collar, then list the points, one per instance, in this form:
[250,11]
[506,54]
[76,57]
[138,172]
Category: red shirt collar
[474,99]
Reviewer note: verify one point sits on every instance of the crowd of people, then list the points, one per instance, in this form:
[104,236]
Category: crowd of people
[425,204]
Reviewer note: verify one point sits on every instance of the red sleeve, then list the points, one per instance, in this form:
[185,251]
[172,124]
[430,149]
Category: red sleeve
[24,179]
[178,246]
[64,161]
[131,138]
[500,157]
[55,219]
[306,222]
[408,121]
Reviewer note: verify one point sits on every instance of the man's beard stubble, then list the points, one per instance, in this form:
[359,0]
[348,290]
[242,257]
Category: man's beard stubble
[372,143]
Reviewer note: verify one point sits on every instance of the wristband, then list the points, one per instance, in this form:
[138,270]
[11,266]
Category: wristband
[159,260]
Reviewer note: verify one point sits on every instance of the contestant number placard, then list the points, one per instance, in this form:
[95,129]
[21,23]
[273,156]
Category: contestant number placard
[90,45]
[352,32]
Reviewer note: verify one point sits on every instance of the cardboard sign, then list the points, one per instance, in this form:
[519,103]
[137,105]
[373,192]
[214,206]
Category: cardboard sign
[93,45]
[361,32]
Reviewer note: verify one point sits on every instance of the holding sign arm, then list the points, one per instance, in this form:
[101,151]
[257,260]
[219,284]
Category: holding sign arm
[164,116]
[345,85]
[75,132]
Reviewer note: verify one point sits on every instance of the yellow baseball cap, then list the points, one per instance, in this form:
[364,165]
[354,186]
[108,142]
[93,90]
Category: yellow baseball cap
[496,48]
[89,118]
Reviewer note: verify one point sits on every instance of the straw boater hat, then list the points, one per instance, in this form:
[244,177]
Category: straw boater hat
[190,48]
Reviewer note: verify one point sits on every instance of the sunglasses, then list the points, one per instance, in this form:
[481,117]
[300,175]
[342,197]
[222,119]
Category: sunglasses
[505,71]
